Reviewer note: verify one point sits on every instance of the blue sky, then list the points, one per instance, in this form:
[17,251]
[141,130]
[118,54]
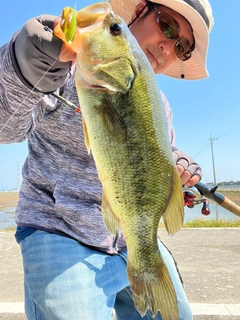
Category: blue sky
[202,109]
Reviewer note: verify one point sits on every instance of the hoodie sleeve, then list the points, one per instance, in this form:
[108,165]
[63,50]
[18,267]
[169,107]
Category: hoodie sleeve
[17,102]
[169,116]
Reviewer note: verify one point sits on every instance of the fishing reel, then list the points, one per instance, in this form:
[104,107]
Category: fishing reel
[193,196]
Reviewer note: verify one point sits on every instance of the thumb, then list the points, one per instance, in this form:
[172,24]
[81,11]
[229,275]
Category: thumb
[67,54]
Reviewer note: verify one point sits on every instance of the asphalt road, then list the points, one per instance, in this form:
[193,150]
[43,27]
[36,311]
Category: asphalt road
[208,259]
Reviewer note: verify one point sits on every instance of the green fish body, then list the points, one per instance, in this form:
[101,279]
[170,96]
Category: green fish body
[125,129]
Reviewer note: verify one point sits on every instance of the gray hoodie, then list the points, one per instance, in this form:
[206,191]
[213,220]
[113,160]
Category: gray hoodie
[60,192]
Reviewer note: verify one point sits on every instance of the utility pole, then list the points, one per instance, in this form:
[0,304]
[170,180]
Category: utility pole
[214,174]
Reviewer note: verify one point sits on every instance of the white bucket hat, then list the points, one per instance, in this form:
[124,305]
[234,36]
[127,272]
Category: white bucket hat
[199,15]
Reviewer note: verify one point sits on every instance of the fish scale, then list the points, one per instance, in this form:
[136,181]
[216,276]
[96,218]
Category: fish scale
[125,130]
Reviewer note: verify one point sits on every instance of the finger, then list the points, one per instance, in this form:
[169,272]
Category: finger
[183,162]
[58,30]
[47,20]
[185,177]
[193,180]
[180,169]
[67,54]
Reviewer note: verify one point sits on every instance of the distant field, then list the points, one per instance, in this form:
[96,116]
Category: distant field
[10,199]
[232,195]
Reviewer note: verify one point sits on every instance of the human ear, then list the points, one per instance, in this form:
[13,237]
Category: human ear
[138,9]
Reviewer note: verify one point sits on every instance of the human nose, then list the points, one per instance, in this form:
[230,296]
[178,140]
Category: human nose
[167,46]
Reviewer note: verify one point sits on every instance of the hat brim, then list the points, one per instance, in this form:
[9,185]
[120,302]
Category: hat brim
[194,68]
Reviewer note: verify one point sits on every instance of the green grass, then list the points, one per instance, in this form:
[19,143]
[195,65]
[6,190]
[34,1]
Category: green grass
[200,223]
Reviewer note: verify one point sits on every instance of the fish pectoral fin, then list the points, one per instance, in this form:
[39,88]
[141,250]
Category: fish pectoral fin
[112,119]
[110,220]
[87,141]
[153,290]
[174,214]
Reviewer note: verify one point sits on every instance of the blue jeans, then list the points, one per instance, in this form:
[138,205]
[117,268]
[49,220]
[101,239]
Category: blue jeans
[66,280]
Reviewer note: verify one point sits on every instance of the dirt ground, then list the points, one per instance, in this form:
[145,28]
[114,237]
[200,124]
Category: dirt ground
[10,199]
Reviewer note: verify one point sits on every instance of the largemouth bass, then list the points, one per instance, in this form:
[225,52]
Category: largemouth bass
[125,129]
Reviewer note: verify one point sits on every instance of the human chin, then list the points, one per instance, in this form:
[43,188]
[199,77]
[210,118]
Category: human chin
[163,66]
[159,68]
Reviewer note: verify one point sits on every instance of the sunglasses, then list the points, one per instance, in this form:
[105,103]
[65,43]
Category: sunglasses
[169,28]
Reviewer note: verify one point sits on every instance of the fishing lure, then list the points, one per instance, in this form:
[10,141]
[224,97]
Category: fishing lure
[69,23]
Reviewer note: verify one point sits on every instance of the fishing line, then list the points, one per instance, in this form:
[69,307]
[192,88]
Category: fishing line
[31,91]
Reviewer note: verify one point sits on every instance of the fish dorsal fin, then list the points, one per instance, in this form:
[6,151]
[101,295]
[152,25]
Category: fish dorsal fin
[112,119]
[174,214]
[85,130]
[110,220]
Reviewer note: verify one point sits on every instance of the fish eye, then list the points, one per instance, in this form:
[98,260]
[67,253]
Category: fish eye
[115,29]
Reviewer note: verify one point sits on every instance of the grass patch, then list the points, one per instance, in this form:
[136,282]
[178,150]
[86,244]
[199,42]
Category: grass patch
[8,229]
[200,223]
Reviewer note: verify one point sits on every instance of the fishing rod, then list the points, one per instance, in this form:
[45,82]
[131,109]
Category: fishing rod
[66,102]
[200,193]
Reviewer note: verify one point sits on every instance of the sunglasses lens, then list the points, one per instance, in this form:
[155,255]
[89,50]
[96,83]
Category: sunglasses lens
[167,25]
[182,50]
[170,30]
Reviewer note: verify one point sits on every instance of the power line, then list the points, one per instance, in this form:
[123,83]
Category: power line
[196,149]
[221,133]
[201,149]
[229,130]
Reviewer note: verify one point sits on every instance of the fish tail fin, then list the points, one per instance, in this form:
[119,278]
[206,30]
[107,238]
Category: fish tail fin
[174,214]
[154,290]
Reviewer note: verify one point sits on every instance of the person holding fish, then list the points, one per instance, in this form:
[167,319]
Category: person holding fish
[96,184]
